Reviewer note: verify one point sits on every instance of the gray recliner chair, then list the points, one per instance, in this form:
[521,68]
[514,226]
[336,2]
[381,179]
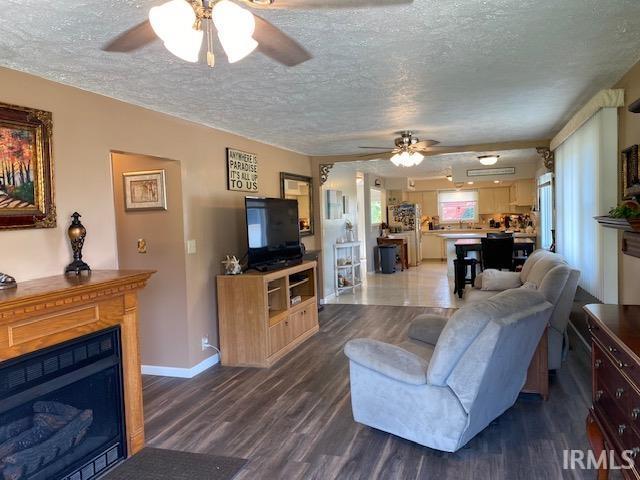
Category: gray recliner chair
[450,379]
[551,275]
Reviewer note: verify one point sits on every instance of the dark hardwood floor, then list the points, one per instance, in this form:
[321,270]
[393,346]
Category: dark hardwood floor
[294,420]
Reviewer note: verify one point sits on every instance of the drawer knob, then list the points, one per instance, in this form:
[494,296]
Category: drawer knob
[612,349]
[598,395]
[597,363]
[635,451]
[591,327]
[635,413]
[619,392]
[621,429]
[621,364]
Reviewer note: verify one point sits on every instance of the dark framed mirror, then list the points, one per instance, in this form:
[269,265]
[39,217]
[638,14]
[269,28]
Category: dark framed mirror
[300,188]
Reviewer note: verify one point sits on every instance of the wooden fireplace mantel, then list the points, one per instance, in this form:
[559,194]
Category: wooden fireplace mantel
[48,311]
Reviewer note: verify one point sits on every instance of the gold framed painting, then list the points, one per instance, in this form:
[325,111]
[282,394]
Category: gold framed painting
[26,168]
[145,190]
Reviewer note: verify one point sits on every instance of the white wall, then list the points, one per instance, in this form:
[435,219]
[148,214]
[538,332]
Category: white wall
[332,230]
[373,231]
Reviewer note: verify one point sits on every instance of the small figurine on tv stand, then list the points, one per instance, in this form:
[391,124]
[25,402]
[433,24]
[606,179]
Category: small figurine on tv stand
[7,281]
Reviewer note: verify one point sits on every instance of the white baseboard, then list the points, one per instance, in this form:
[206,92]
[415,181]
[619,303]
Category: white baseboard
[181,372]
[324,300]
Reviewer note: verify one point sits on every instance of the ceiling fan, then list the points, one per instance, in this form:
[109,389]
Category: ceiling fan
[182,24]
[409,149]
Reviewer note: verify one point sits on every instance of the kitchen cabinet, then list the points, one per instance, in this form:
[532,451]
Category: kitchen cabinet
[433,247]
[493,200]
[523,193]
[501,199]
[430,203]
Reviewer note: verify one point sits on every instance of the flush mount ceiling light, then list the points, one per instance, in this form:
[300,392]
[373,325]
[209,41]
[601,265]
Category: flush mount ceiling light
[488,159]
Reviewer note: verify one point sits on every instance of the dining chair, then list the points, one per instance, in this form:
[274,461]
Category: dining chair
[497,253]
[499,235]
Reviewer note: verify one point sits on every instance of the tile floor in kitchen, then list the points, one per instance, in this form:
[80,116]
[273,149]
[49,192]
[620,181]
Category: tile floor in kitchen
[424,286]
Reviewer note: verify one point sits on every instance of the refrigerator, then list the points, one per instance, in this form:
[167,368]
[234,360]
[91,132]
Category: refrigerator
[408,217]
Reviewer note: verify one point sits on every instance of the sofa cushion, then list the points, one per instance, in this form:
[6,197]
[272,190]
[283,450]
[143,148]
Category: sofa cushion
[497,280]
[468,322]
[427,328]
[554,281]
[387,359]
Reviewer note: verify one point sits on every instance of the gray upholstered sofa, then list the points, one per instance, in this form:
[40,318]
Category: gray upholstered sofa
[450,379]
[550,274]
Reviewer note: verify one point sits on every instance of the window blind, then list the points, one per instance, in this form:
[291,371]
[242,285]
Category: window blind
[586,186]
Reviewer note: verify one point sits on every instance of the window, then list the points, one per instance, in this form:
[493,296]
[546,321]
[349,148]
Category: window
[587,186]
[376,206]
[459,206]
[545,195]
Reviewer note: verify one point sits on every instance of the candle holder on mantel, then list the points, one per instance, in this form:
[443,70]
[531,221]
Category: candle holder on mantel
[77,233]
[7,281]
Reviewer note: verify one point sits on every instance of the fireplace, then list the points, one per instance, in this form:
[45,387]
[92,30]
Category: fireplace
[62,410]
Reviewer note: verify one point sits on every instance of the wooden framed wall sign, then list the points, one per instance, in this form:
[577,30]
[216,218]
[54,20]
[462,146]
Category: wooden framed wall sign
[242,171]
[26,168]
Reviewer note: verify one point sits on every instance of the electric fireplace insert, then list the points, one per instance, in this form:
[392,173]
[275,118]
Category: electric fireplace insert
[62,410]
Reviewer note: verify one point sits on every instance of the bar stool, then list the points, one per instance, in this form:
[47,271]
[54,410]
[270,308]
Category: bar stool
[460,269]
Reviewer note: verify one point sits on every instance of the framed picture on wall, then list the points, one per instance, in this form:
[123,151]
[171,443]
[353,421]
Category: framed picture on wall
[630,172]
[145,190]
[242,171]
[26,168]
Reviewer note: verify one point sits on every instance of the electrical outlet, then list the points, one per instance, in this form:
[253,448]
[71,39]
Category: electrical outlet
[192,248]
[205,342]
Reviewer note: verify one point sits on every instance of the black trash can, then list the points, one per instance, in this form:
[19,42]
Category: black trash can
[387,258]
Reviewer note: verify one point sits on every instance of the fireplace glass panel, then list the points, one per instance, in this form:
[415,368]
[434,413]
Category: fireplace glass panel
[61,411]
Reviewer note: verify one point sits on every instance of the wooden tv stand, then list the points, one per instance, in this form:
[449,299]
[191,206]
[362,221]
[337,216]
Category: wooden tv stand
[258,324]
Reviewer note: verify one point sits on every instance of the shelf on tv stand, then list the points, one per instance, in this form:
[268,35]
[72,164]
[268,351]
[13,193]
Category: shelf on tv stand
[258,324]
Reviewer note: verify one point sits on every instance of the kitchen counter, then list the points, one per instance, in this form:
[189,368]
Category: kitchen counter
[480,234]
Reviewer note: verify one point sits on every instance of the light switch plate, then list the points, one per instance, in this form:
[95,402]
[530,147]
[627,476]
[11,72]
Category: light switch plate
[191,247]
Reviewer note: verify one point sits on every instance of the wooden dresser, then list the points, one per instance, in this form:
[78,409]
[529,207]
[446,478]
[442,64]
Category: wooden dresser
[258,322]
[613,423]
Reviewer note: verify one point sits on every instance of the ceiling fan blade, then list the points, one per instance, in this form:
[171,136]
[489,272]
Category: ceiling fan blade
[425,144]
[375,156]
[133,39]
[311,4]
[377,148]
[276,44]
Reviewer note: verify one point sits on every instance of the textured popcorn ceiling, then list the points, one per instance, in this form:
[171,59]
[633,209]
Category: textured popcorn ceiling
[458,71]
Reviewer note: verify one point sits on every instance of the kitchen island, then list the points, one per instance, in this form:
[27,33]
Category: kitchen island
[441,243]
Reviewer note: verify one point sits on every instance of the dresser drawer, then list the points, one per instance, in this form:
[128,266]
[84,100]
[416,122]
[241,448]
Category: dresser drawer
[615,400]
[620,357]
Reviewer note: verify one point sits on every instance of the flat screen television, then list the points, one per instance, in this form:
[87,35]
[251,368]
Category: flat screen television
[273,233]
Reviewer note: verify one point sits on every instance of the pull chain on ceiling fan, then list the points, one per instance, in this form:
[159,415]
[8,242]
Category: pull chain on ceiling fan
[182,25]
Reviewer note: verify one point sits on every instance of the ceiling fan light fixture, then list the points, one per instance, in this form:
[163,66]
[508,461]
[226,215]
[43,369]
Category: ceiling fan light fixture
[171,20]
[488,159]
[417,158]
[231,19]
[235,27]
[450,178]
[237,48]
[187,47]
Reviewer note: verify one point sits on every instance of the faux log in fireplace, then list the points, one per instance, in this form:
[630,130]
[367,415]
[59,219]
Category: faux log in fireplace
[70,385]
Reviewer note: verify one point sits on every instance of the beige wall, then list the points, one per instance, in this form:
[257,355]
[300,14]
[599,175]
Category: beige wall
[87,127]
[629,134]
